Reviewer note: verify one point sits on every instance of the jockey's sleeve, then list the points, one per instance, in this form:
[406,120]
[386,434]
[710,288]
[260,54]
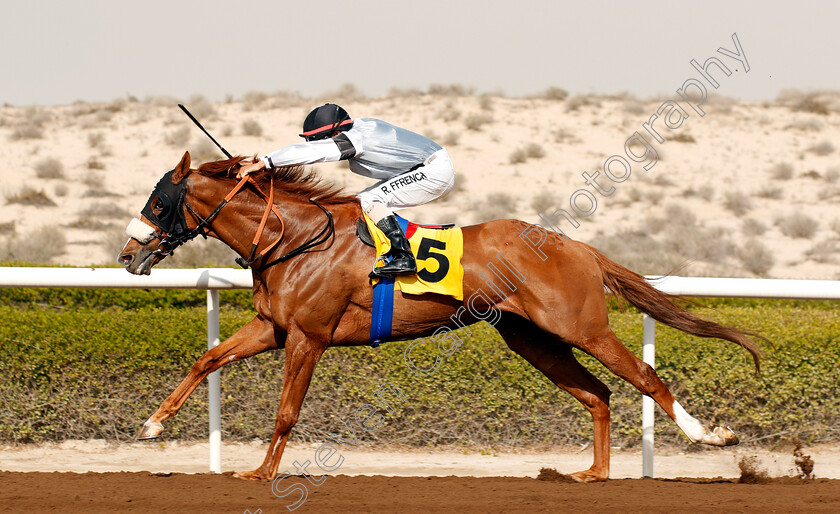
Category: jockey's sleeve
[311,152]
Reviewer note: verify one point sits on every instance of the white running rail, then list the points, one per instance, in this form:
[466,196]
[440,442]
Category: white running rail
[214,279]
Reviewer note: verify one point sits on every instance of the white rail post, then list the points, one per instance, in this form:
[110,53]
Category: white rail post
[649,357]
[214,384]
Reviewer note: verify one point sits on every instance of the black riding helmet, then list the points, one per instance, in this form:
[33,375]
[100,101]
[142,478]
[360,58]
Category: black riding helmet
[325,120]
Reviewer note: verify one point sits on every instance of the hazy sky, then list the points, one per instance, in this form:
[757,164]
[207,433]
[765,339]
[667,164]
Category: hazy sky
[56,52]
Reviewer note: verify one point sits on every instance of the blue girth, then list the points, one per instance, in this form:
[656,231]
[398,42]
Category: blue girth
[382,313]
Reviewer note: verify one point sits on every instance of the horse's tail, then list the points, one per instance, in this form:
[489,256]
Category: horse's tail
[660,306]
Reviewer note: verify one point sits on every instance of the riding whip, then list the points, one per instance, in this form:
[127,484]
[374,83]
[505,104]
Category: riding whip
[204,130]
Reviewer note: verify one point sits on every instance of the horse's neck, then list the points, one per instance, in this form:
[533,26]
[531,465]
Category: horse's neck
[238,222]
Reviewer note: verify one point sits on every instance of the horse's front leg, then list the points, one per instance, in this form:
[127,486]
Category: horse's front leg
[255,337]
[302,355]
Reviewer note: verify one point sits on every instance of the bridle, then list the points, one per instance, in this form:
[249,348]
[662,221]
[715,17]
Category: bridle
[177,234]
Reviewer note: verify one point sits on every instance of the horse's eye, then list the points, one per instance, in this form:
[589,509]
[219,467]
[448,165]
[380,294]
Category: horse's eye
[157,205]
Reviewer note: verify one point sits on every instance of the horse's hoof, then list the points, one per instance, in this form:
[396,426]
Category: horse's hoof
[249,475]
[727,436]
[150,430]
[588,476]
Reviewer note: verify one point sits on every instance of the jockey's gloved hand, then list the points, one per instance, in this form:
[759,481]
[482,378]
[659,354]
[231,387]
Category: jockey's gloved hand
[245,169]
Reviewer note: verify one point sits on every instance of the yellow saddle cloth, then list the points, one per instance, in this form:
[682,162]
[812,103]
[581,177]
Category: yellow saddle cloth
[438,253]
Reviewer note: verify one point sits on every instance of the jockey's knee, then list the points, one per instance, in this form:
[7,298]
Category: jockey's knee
[376,210]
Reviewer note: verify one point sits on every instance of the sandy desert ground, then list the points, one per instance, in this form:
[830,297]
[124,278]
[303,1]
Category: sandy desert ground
[749,189]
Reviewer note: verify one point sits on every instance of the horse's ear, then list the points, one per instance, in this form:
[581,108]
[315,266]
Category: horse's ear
[182,169]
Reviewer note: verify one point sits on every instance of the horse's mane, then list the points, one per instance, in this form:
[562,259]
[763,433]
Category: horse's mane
[292,179]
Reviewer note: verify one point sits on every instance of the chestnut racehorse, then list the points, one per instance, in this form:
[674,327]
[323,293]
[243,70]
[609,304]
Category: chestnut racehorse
[322,296]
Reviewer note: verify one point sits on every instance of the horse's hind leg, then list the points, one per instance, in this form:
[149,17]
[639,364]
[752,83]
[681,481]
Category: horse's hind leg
[617,358]
[557,362]
[255,337]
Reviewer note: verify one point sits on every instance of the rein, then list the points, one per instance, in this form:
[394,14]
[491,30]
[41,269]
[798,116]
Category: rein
[205,224]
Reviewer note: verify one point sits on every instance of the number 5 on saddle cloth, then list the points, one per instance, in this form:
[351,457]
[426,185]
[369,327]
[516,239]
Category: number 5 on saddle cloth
[438,252]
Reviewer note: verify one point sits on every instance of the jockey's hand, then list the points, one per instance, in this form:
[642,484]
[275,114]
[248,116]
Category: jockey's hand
[250,168]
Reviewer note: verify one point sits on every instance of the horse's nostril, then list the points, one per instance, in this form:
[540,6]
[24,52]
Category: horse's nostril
[125,259]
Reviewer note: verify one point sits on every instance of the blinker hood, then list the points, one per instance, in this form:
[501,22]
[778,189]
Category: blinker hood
[165,206]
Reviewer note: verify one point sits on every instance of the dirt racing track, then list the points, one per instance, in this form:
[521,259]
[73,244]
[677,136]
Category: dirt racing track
[174,492]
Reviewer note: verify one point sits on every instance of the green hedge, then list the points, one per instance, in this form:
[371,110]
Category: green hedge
[96,363]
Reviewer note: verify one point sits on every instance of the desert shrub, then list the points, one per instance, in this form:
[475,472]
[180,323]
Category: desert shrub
[829,193]
[30,196]
[101,117]
[683,138]
[39,246]
[576,102]
[654,197]
[49,168]
[496,206]
[634,107]
[518,156]
[822,148]
[635,194]
[751,227]
[810,103]
[706,192]
[450,90]
[201,253]
[755,257]
[252,128]
[782,171]
[555,93]
[93,163]
[797,225]
[93,179]
[205,151]
[347,92]
[708,244]
[835,225]
[770,192]
[107,210]
[477,120]
[824,251]
[534,151]
[449,113]
[562,135]
[806,125]
[253,99]
[26,130]
[201,108]
[451,138]
[832,174]
[736,202]
[485,102]
[92,225]
[404,92]
[663,180]
[60,190]
[543,201]
[7,228]
[178,137]
[638,250]
[679,216]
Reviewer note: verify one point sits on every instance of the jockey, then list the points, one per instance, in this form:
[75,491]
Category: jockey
[411,169]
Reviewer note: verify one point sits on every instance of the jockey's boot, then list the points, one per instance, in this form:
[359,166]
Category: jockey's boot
[402,261]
